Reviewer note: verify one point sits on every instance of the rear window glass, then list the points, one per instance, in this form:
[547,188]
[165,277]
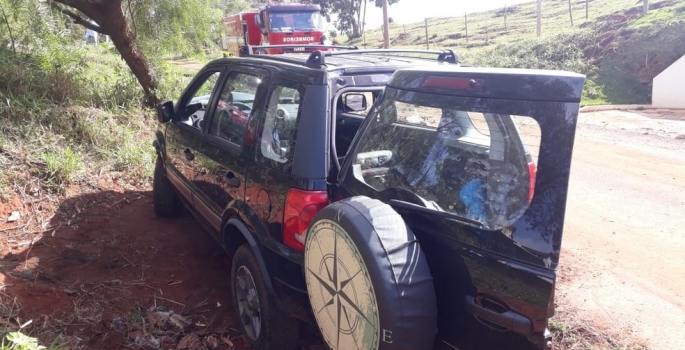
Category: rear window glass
[468,160]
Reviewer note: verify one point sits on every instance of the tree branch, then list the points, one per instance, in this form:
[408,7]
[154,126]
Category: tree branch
[9,28]
[78,19]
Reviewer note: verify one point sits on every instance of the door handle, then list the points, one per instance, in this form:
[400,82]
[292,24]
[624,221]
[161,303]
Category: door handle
[189,155]
[231,180]
[508,320]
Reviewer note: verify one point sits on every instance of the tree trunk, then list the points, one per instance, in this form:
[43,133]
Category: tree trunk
[111,21]
[355,29]
[364,19]
[117,28]
[645,6]
[570,12]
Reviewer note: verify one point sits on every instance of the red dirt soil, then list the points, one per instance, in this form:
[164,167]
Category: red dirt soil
[107,260]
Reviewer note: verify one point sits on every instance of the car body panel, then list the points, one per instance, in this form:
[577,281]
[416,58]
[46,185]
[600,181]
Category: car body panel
[475,268]
[180,143]
[508,268]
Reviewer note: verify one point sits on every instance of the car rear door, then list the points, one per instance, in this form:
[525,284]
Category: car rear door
[477,162]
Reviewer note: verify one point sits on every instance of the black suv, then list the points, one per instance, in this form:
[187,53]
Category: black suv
[394,201]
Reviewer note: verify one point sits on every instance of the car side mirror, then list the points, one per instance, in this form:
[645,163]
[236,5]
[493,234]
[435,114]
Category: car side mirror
[355,102]
[165,111]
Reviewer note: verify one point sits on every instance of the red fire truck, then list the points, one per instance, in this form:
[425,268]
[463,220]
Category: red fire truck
[276,23]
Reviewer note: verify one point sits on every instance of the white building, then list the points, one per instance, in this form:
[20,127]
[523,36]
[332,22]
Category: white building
[668,88]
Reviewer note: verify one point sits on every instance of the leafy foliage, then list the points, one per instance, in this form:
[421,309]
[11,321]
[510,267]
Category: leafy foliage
[21,341]
[234,6]
[46,39]
[184,28]
[350,14]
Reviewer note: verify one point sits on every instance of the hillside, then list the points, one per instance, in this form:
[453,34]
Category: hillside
[616,47]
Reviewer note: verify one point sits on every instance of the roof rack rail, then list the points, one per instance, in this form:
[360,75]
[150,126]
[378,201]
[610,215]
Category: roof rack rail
[318,58]
[306,46]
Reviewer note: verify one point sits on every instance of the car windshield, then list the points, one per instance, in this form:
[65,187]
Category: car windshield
[476,162]
[295,21]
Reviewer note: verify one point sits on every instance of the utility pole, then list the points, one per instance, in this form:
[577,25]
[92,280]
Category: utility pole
[386,29]
[539,29]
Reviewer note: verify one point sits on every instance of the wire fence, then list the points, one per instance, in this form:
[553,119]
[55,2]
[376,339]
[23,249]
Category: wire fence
[514,22]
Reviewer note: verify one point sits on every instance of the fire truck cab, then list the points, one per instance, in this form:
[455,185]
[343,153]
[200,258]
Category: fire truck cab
[274,24]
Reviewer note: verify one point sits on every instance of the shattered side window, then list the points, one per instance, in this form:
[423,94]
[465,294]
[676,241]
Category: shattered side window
[475,162]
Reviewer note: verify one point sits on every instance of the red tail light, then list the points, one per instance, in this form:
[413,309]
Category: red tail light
[300,208]
[453,83]
[532,173]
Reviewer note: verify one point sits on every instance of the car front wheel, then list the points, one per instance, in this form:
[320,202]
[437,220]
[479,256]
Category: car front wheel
[262,324]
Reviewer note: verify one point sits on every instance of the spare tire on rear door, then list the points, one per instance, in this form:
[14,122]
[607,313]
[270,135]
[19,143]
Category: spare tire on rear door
[367,278]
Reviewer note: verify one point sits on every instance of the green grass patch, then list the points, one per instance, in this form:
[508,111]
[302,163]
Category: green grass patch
[61,166]
[70,124]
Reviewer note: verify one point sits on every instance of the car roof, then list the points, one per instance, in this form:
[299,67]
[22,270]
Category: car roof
[364,60]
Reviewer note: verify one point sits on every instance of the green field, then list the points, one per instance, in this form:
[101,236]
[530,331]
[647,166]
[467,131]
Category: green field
[618,48]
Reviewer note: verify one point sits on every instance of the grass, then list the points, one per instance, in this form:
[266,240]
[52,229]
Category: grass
[61,166]
[75,122]
[487,29]
[609,47]
[568,332]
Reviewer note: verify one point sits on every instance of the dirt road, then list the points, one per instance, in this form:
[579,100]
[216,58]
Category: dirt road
[106,272]
[623,254]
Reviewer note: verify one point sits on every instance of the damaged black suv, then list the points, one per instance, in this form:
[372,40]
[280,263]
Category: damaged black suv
[396,199]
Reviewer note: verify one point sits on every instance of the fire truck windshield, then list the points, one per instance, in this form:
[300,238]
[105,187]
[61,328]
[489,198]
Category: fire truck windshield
[295,21]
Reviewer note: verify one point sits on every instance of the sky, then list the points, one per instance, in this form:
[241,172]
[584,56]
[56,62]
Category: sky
[409,11]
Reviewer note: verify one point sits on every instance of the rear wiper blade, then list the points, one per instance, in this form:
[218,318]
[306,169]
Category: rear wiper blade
[442,214]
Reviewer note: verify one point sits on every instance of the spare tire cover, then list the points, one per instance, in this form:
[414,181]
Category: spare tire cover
[368,281]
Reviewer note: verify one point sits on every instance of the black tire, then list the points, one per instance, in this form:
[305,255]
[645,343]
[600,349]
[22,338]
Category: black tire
[359,252]
[276,331]
[164,197]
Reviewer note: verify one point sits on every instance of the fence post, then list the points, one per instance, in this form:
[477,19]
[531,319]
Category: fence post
[539,23]
[505,17]
[587,9]
[427,44]
[466,27]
